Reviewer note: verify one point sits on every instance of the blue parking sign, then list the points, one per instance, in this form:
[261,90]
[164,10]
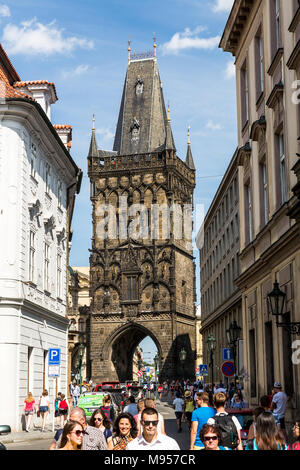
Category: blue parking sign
[54,356]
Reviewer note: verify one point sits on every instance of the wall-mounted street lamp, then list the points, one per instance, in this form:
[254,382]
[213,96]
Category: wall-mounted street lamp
[211,347]
[233,334]
[276,302]
[182,358]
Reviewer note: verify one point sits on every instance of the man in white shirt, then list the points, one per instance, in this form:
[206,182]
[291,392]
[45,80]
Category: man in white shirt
[278,406]
[150,439]
[131,407]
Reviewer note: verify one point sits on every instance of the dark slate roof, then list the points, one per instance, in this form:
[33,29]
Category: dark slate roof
[189,158]
[142,113]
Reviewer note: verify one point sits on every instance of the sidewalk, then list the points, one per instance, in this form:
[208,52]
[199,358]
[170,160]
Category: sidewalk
[33,434]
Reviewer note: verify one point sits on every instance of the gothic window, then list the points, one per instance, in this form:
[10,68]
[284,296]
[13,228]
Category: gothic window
[131,287]
[139,86]
[135,130]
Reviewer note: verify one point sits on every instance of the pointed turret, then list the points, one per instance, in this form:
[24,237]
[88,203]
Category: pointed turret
[189,157]
[143,125]
[93,152]
[169,144]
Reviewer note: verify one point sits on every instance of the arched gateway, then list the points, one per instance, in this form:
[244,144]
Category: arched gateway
[142,270]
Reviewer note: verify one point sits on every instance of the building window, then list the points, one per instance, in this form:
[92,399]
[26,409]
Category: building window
[59,277]
[282,168]
[47,178]
[131,288]
[59,194]
[264,193]
[259,59]
[46,267]
[33,161]
[277,10]
[29,369]
[252,350]
[249,218]
[244,94]
[31,255]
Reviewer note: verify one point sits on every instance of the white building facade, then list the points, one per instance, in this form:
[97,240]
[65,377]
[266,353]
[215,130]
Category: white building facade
[38,183]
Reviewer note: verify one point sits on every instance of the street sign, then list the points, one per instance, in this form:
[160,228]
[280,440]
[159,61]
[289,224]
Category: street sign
[228,369]
[139,373]
[54,357]
[203,369]
[227,354]
[53,370]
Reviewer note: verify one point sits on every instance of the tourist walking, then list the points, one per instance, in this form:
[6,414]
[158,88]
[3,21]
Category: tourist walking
[200,417]
[100,421]
[150,438]
[108,408]
[29,410]
[72,436]
[125,430]
[267,434]
[44,408]
[210,435]
[63,410]
[178,405]
[140,406]
[278,406]
[75,394]
[229,425]
[131,407]
[188,408]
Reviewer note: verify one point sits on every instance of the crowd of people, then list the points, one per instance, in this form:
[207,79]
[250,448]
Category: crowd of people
[140,425]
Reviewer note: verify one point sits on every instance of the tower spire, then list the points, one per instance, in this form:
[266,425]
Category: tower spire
[189,156]
[93,152]
[154,45]
[129,50]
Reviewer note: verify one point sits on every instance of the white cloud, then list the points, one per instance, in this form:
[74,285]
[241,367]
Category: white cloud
[4,11]
[230,70]
[212,126]
[33,38]
[106,134]
[189,40]
[223,6]
[78,71]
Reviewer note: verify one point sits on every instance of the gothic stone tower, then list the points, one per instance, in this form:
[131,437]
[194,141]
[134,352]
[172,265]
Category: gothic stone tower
[142,281]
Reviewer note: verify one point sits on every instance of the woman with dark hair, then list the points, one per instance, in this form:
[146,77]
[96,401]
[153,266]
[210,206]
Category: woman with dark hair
[125,430]
[296,432]
[210,435]
[100,421]
[72,436]
[267,436]
[252,430]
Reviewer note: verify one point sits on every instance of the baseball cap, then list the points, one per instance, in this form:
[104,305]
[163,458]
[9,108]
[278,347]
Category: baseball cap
[277,385]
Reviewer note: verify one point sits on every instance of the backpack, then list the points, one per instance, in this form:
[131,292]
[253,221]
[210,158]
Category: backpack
[63,405]
[228,429]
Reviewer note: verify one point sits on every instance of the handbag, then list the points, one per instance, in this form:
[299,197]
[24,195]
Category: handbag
[38,413]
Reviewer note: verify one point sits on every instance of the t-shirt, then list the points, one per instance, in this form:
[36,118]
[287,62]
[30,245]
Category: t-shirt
[280,399]
[178,402]
[202,415]
[29,405]
[132,409]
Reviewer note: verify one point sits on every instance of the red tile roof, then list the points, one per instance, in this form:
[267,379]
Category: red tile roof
[35,82]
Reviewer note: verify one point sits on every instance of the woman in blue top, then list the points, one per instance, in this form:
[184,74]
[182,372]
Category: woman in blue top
[267,436]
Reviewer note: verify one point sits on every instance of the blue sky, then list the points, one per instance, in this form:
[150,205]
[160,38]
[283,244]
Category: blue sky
[82,48]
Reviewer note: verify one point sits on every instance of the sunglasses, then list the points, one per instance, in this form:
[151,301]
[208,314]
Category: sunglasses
[98,419]
[147,423]
[78,432]
[210,438]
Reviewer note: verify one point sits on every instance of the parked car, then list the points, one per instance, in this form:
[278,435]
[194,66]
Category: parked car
[4,430]
[107,386]
[245,418]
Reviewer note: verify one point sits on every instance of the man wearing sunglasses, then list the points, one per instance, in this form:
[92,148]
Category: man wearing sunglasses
[150,439]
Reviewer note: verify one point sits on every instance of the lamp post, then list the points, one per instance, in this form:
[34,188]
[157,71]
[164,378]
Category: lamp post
[276,301]
[182,358]
[81,349]
[211,347]
[233,334]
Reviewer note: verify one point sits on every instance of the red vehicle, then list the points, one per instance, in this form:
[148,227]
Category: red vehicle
[107,386]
